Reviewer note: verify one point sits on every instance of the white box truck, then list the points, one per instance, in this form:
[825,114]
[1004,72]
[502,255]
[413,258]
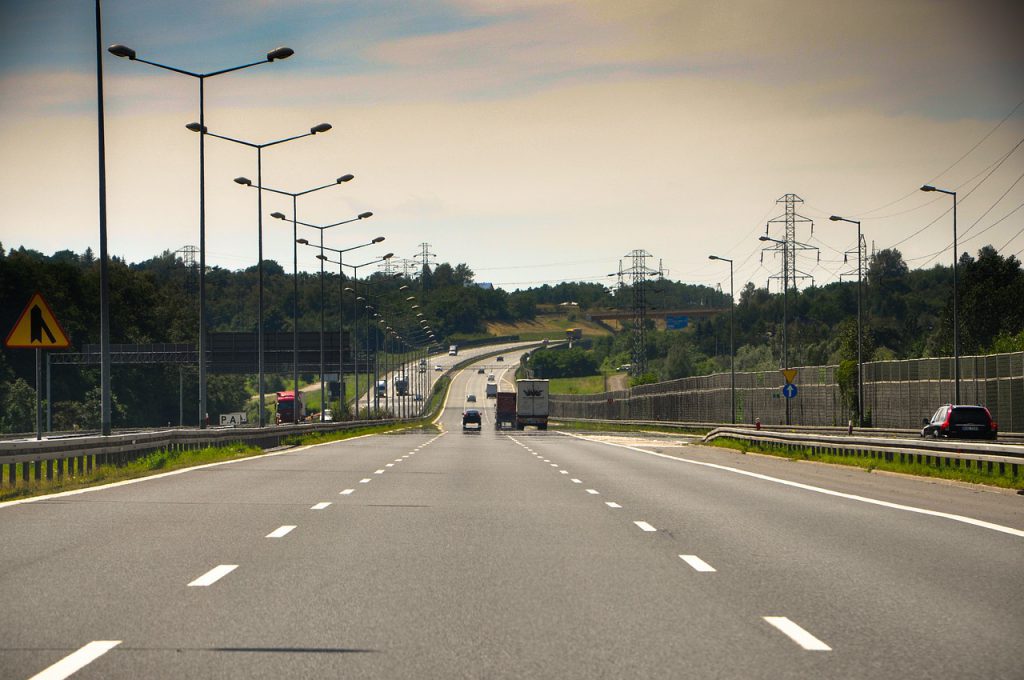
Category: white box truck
[532,403]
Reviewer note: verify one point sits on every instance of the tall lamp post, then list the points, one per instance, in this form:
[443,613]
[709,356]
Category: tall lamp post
[732,337]
[956,320]
[860,324]
[355,308]
[316,129]
[323,259]
[273,55]
[295,269]
[785,305]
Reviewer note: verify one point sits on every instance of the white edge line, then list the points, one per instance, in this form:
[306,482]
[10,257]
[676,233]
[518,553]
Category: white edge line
[181,471]
[214,575]
[697,563]
[797,634]
[817,489]
[76,660]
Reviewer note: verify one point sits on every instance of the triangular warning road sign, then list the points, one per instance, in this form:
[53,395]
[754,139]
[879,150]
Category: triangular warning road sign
[789,374]
[37,327]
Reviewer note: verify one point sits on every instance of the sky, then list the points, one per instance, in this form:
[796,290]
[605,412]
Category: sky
[536,141]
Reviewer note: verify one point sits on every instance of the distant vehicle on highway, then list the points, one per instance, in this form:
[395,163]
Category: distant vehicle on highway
[453,350]
[961,422]
[438,367]
[480,371]
[490,378]
[286,405]
[471,397]
[500,359]
[327,415]
[492,390]
[471,417]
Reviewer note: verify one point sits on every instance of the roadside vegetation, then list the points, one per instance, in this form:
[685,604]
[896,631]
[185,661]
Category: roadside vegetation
[590,384]
[960,474]
[151,464]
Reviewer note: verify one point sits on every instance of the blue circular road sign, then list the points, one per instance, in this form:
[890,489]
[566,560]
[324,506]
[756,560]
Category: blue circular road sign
[789,390]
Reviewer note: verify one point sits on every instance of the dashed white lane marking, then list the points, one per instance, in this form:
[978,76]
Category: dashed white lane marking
[697,563]
[405,456]
[281,531]
[76,660]
[798,634]
[390,465]
[398,460]
[576,481]
[346,492]
[612,504]
[594,492]
[644,525]
[367,480]
[817,489]
[320,506]
[564,472]
[379,472]
[214,575]
[554,465]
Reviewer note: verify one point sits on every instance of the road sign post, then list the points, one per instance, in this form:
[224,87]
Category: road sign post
[37,328]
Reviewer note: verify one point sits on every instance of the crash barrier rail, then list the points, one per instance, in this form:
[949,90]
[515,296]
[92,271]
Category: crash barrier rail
[50,458]
[982,457]
[1004,437]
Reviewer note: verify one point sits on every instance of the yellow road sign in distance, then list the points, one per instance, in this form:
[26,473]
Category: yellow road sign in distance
[37,328]
[789,374]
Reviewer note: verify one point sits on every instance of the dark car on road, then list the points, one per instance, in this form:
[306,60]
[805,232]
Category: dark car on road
[962,422]
[471,417]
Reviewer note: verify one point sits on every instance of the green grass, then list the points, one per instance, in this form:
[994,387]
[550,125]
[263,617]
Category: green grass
[591,384]
[973,475]
[151,464]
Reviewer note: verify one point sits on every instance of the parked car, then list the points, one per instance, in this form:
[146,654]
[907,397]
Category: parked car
[961,421]
[471,417]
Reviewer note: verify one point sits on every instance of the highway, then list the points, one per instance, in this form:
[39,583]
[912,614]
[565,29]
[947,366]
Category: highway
[442,554]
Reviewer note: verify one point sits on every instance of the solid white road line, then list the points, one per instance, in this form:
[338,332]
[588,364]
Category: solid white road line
[612,504]
[281,531]
[365,481]
[798,634]
[76,660]
[320,506]
[594,492]
[214,575]
[817,489]
[346,492]
[576,481]
[697,563]
[644,525]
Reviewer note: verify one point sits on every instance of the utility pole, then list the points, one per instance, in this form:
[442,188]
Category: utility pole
[639,273]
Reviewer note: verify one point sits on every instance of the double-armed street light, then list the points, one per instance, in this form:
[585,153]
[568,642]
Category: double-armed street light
[956,320]
[732,347]
[355,311]
[323,259]
[273,55]
[860,331]
[295,266]
[245,181]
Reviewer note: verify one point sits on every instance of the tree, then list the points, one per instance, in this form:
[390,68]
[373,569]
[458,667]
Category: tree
[19,407]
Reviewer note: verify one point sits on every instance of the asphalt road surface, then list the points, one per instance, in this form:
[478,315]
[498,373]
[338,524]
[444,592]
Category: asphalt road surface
[514,555]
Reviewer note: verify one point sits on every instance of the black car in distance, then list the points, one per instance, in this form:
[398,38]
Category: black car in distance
[471,417]
[962,422]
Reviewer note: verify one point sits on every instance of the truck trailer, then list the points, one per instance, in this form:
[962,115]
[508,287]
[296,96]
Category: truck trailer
[532,403]
[286,405]
[505,410]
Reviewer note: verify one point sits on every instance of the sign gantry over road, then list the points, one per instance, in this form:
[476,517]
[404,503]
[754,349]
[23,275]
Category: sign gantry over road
[37,328]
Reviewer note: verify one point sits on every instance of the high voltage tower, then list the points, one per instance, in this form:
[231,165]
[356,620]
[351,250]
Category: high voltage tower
[425,258]
[188,258]
[863,253]
[639,272]
[789,246]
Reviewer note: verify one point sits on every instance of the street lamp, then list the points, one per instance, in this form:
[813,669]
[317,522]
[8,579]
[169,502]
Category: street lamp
[785,305]
[324,259]
[860,327]
[732,347]
[956,320]
[245,181]
[273,55]
[295,269]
